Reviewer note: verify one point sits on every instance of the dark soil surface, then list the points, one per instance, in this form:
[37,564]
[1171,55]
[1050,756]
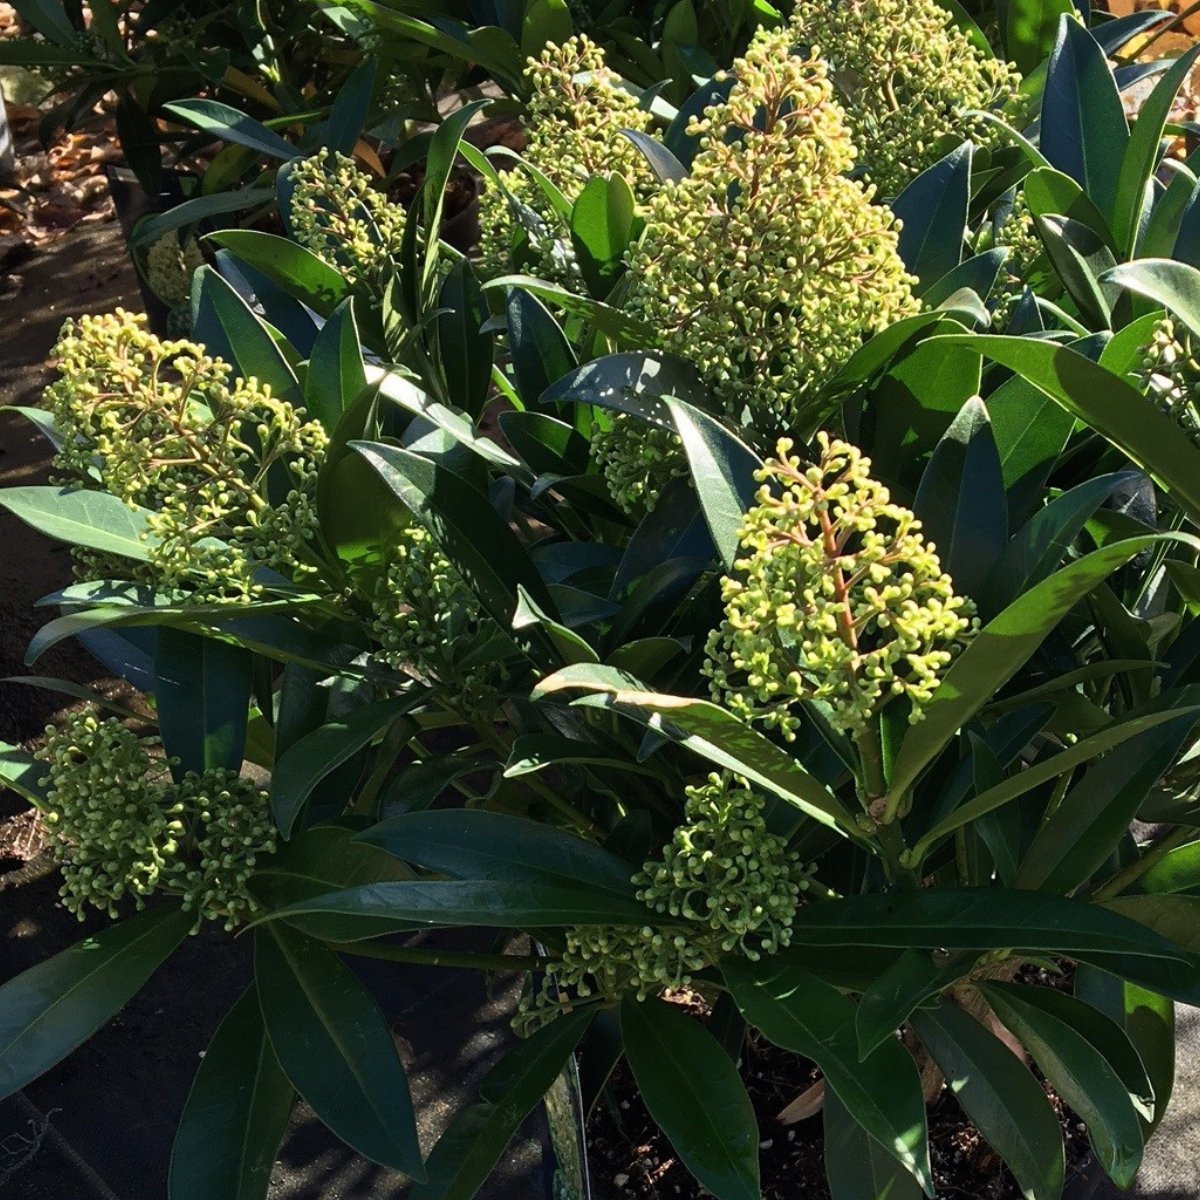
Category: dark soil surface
[630,1159]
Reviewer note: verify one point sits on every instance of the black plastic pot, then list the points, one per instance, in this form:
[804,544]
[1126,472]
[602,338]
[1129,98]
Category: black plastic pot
[132,203]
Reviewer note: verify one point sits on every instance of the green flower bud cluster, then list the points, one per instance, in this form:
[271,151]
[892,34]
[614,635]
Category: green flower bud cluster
[1018,234]
[425,617]
[123,830]
[574,118]
[837,598]
[766,266]
[338,213]
[170,265]
[908,77]
[164,426]
[1170,376]
[727,885]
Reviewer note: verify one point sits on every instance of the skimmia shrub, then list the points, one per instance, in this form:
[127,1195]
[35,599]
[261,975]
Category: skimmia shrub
[849,742]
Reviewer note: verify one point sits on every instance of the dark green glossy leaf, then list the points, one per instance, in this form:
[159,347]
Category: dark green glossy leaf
[1174,285]
[722,469]
[220,121]
[494,904]
[1086,828]
[1147,1019]
[1051,193]
[350,109]
[202,693]
[911,980]
[857,1167]
[1082,260]
[223,322]
[336,374]
[467,1153]
[695,1095]
[985,918]
[95,520]
[540,351]
[1080,1074]
[632,382]
[464,347]
[1107,738]
[933,212]
[1083,129]
[236,1113]
[336,1048]
[802,1013]
[1110,405]
[1142,153]
[999,650]
[666,167]
[709,730]
[961,501]
[293,267]
[472,535]
[1037,549]
[315,755]
[999,1095]
[476,844]
[53,1007]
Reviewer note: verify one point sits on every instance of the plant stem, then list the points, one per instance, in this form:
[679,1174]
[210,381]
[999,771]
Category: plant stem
[441,958]
[1136,869]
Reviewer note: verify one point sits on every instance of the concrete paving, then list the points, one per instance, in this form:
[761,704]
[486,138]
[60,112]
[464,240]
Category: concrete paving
[1171,1170]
